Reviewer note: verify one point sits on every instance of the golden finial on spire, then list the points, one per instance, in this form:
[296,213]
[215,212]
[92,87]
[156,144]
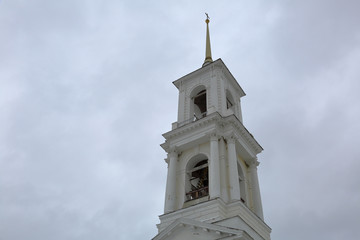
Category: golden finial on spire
[208,58]
[207,18]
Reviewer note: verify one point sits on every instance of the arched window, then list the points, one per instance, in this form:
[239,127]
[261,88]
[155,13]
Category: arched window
[198,107]
[197,185]
[229,100]
[242,184]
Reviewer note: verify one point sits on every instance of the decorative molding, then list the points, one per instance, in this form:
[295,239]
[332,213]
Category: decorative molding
[173,152]
[194,225]
[214,135]
[231,138]
[211,208]
[216,64]
[194,86]
[254,163]
[215,118]
[187,157]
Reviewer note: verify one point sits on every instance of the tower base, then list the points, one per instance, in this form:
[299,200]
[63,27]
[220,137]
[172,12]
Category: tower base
[216,220]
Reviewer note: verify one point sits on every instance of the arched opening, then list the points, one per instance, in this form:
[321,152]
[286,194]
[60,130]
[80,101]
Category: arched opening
[229,100]
[199,106]
[242,184]
[197,181]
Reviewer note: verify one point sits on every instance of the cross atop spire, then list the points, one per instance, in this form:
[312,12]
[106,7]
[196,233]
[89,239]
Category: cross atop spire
[208,58]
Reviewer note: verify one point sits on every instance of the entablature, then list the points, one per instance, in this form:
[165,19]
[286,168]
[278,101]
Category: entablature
[199,132]
[218,64]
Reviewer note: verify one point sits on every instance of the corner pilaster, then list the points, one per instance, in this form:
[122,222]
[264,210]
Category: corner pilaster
[170,200]
[256,189]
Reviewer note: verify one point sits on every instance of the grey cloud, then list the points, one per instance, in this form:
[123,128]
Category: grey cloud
[85,94]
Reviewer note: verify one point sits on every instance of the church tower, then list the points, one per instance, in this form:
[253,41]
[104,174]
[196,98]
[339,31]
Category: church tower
[212,188]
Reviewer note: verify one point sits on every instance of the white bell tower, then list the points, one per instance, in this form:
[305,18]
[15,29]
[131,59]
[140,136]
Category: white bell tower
[212,188]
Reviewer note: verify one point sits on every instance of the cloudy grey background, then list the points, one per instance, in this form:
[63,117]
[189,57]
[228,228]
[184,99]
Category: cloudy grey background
[86,92]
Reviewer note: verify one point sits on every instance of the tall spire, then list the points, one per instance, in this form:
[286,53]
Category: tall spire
[208,58]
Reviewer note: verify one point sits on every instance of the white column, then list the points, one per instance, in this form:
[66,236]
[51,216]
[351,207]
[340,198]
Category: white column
[255,189]
[233,170]
[214,167]
[170,199]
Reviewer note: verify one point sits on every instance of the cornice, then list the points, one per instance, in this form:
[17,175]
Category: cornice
[211,118]
[235,83]
[221,122]
[221,231]
[216,64]
[195,73]
[234,121]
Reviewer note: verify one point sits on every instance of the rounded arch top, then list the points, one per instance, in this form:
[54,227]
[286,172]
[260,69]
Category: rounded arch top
[192,160]
[197,89]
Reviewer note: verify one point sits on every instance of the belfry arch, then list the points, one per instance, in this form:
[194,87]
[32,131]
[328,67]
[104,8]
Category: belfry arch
[197,177]
[198,103]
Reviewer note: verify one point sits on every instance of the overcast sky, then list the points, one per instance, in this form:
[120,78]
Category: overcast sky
[86,92]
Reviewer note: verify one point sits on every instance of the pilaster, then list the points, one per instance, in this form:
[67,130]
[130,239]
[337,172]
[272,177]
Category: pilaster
[256,197]
[223,170]
[214,167]
[170,200]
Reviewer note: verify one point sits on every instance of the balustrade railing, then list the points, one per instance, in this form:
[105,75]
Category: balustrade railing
[198,193]
[193,119]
